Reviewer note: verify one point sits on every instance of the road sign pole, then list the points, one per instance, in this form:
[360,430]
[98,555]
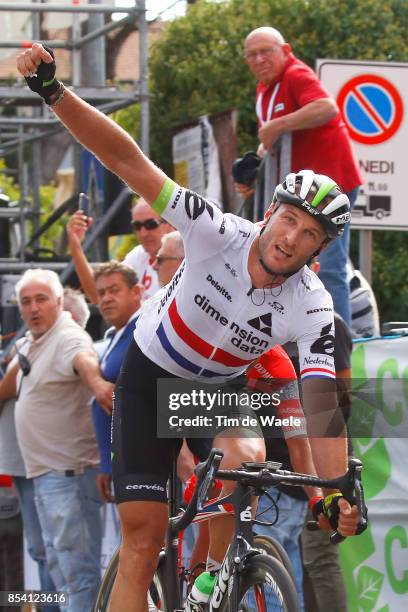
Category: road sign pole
[365,241]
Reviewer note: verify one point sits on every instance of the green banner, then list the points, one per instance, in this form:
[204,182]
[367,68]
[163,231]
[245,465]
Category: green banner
[375,564]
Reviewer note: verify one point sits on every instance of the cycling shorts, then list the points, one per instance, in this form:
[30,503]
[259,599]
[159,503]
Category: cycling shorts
[141,462]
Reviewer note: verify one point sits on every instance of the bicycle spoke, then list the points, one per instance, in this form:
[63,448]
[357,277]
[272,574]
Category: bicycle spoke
[264,597]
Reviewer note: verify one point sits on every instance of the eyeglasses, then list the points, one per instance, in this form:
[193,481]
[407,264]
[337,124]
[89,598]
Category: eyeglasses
[162,258]
[149,224]
[250,56]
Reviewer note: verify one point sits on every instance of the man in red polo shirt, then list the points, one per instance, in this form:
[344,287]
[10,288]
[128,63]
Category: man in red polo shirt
[290,98]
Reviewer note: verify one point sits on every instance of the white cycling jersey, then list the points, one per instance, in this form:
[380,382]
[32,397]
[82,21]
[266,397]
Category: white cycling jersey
[209,322]
[142,263]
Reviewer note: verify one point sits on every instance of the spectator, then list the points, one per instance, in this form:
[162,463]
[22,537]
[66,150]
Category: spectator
[292,501]
[54,431]
[365,321]
[74,302]
[119,301]
[290,97]
[149,228]
[11,540]
[11,460]
[323,576]
[169,257]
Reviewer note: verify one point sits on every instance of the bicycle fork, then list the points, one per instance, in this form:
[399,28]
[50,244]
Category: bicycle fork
[227,584]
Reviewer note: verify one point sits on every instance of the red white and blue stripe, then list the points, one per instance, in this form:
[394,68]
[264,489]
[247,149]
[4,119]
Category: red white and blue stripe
[317,373]
[199,346]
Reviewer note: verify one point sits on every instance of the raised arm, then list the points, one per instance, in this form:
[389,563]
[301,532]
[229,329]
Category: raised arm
[98,133]
[76,229]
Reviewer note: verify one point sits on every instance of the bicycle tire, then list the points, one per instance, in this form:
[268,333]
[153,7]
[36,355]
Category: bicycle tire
[265,586]
[272,547]
[105,590]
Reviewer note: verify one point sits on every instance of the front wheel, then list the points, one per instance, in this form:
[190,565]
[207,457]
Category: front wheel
[272,547]
[105,589]
[156,593]
[265,586]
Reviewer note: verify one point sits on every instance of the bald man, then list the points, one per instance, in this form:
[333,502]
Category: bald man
[169,257]
[149,228]
[291,98]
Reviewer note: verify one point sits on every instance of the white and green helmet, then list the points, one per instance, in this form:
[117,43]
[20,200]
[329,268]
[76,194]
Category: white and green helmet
[317,195]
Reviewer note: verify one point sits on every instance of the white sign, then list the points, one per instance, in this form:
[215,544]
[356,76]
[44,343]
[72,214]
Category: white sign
[372,100]
[196,161]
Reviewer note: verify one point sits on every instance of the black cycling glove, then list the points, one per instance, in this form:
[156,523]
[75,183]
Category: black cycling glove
[44,82]
[329,506]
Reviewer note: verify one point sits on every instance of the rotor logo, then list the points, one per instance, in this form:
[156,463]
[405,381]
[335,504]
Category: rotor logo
[262,324]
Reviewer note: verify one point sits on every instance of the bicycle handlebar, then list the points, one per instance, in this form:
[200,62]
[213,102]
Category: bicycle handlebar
[205,473]
[258,475]
[349,484]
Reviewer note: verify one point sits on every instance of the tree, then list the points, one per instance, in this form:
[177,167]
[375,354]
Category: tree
[197,67]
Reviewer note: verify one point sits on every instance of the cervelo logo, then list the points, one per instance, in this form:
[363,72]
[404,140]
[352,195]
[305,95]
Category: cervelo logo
[231,270]
[154,487]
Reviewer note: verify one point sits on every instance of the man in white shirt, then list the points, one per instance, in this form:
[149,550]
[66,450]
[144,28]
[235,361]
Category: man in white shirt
[149,228]
[55,434]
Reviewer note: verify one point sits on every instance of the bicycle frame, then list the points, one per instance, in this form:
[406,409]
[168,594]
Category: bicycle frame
[238,503]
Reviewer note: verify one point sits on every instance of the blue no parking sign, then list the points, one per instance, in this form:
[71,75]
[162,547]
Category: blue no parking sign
[371,107]
[372,97]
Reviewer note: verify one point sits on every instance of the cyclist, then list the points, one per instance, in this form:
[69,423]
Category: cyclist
[240,291]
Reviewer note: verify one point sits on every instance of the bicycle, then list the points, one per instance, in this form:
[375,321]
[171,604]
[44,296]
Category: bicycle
[249,580]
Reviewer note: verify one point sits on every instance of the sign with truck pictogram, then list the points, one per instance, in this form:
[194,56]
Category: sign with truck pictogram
[371,98]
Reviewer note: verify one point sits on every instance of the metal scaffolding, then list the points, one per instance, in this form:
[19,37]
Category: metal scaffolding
[18,132]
